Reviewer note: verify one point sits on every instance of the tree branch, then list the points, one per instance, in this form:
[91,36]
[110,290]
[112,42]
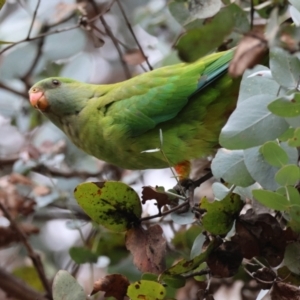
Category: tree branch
[16,288]
[31,253]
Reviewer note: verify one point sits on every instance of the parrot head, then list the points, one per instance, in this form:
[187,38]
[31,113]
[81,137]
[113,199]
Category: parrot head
[60,96]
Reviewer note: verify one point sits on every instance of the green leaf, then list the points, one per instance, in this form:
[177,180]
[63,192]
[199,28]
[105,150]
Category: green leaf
[291,257]
[286,106]
[65,287]
[230,166]
[288,175]
[174,281]
[225,211]
[287,135]
[115,205]
[274,154]
[252,124]
[295,140]
[285,67]
[149,276]
[293,195]
[200,41]
[271,199]
[144,289]
[263,172]
[82,255]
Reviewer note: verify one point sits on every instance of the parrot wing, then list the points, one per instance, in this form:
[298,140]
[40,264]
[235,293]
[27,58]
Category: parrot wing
[140,104]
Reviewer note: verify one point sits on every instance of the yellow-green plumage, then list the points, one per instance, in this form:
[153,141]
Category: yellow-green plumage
[190,103]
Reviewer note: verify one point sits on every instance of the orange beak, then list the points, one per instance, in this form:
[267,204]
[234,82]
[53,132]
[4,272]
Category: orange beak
[38,99]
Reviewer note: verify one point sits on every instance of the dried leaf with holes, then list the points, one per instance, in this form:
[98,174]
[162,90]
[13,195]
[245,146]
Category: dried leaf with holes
[151,193]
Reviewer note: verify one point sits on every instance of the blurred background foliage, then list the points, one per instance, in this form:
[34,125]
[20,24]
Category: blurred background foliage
[93,41]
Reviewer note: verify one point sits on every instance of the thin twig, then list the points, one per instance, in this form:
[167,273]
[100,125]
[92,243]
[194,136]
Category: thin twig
[252,11]
[204,178]
[184,204]
[36,260]
[59,30]
[133,34]
[5,87]
[33,19]
[26,77]
[115,42]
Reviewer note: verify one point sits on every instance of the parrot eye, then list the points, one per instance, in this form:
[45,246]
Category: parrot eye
[55,82]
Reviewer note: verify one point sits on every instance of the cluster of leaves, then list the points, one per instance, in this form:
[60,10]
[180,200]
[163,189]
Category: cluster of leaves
[259,161]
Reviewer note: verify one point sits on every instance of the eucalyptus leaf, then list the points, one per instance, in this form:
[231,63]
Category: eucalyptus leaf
[230,165]
[288,175]
[271,199]
[253,85]
[274,154]
[285,67]
[65,287]
[252,124]
[286,106]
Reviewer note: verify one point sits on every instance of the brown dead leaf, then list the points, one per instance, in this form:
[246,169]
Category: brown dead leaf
[247,241]
[151,193]
[114,285]
[250,51]
[284,291]
[148,248]
[225,260]
[134,57]
[268,234]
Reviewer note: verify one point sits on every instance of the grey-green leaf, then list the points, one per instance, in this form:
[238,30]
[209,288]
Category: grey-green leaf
[285,67]
[65,287]
[230,166]
[252,124]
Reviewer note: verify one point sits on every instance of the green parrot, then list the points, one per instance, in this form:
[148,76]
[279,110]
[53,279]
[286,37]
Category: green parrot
[118,123]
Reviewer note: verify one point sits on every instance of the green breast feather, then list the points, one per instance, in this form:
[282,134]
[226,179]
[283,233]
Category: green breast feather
[190,103]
